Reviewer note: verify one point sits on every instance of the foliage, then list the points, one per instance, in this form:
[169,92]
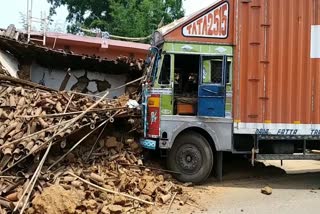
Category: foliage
[134,18]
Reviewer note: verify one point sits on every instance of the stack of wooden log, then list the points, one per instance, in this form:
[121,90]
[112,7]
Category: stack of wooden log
[104,176]
[31,117]
[111,179]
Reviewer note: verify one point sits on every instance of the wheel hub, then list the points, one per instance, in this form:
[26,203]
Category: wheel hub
[189,159]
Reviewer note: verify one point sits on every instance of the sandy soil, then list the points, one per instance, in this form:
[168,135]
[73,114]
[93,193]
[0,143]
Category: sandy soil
[55,200]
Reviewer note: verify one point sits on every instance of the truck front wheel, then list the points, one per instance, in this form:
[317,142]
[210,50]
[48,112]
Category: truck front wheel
[191,156]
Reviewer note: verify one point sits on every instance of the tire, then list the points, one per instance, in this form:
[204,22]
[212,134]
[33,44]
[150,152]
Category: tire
[192,156]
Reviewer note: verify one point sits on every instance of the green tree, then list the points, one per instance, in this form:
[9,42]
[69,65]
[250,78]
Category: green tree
[131,18]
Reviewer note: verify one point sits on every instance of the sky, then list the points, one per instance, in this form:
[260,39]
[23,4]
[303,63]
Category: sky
[10,10]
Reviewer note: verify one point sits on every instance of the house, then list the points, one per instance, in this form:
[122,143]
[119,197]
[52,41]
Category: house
[71,62]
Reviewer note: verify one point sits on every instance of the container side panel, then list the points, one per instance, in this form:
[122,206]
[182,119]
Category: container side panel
[250,66]
[315,65]
[279,80]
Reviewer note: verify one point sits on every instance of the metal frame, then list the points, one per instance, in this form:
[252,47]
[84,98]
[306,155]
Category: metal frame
[288,157]
[219,129]
[295,156]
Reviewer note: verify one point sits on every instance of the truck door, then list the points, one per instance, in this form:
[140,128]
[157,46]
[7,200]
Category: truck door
[212,86]
[160,97]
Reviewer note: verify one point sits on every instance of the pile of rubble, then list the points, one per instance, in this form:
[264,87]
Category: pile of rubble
[111,179]
[31,118]
[92,169]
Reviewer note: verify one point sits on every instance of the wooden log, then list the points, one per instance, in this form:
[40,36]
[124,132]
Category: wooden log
[24,82]
[6,204]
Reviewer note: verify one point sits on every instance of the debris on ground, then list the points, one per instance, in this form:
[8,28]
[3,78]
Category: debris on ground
[30,118]
[95,156]
[266,190]
[110,181]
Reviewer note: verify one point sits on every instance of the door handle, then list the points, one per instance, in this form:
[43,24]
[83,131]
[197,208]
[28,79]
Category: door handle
[213,92]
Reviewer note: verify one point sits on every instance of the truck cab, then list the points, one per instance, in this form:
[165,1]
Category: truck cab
[188,104]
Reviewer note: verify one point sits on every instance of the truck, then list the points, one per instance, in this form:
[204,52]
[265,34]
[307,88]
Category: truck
[240,76]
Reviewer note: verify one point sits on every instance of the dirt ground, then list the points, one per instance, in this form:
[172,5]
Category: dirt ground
[295,185]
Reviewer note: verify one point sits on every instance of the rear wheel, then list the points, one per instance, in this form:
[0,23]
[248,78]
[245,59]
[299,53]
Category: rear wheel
[192,156]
